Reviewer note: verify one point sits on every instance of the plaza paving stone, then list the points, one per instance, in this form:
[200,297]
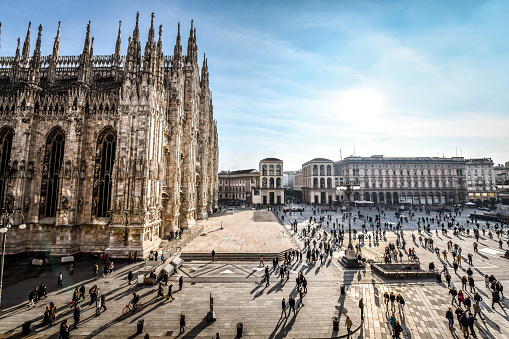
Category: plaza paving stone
[239,297]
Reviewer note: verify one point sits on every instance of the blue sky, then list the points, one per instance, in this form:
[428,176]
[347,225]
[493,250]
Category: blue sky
[303,79]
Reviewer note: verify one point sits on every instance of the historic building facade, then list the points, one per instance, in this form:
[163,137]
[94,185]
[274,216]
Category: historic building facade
[318,181]
[105,152]
[481,179]
[387,180]
[415,180]
[237,186]
[270,191]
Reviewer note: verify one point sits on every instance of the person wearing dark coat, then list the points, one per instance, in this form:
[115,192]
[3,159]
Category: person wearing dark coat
[397,329]
[464,324]
[495,298]
[182,323]
[77,315]
[130,276]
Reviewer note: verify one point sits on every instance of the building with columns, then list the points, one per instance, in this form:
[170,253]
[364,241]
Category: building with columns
[106,153]
[271,190]
[387,180]
[416,180]
[318,181]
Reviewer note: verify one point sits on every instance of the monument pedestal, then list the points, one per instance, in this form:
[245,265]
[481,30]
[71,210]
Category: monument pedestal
[350,261]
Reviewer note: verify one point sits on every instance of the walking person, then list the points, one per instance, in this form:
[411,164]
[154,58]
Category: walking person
[59,279]
[361,306]
[449,315]
[170,295]
[471,283]
[471,322]
[397,329]
[348,324]
[130,277]
[103,303]
[477,310]
[495,298]
[401,303]
[283,308]
[182,323]
[213,255]
[76,316]
[291,303]
[96,270]
[301,296]
[71,268]
[453,293]
[181,283]
[82,291]
[393,299]
[464,324]
[160,291]
[261,261]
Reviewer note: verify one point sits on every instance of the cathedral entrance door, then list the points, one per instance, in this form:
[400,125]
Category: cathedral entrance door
[271,198]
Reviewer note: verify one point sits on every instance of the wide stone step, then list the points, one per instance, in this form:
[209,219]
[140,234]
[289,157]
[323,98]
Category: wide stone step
[231,256]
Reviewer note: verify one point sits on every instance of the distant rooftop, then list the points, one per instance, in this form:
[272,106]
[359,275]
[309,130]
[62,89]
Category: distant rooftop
[246,171]
[271,159]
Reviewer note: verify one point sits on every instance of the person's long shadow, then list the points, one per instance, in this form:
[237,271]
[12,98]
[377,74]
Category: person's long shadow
[193,333]
[278,287]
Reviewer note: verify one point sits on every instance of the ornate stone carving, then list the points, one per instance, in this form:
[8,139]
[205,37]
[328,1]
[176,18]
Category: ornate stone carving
[26,204]
[30,170]
[14,169]
[65,203]
[22,169]
[75,172]
[9,202]
[67,169]
[79,204]
[83,170]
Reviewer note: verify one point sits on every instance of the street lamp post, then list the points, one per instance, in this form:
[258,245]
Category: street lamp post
[349,187]
[6,225]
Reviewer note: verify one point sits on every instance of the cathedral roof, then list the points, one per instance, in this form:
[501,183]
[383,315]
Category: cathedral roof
[271,159]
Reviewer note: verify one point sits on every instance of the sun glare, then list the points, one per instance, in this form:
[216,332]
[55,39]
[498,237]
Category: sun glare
[360,104]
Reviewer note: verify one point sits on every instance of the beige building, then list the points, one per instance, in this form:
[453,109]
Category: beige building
[318,182]
[417,180]
[480,177]
[106,152]
[237,186]
[270,191]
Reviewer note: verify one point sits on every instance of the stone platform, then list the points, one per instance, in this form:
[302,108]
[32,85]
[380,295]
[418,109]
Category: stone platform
[244,231]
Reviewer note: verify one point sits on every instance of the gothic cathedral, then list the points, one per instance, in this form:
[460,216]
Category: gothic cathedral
[105,153]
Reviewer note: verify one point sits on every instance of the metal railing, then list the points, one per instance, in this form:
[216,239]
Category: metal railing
[176,247]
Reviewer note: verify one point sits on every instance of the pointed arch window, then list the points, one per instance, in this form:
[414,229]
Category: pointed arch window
[53,158]
[5,147]
[105,158]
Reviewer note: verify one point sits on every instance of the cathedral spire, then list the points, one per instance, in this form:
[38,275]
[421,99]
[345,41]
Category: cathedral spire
[192,50]
[37,51]
[25,56]
[150,45]
[136,32]
[160,41]
[56,45]
[16,57]
[118,46]
[177,53]
[86,46]
[134,49]
[0,36]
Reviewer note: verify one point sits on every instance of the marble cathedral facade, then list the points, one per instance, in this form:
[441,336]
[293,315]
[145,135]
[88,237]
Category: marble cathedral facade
[105,153]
